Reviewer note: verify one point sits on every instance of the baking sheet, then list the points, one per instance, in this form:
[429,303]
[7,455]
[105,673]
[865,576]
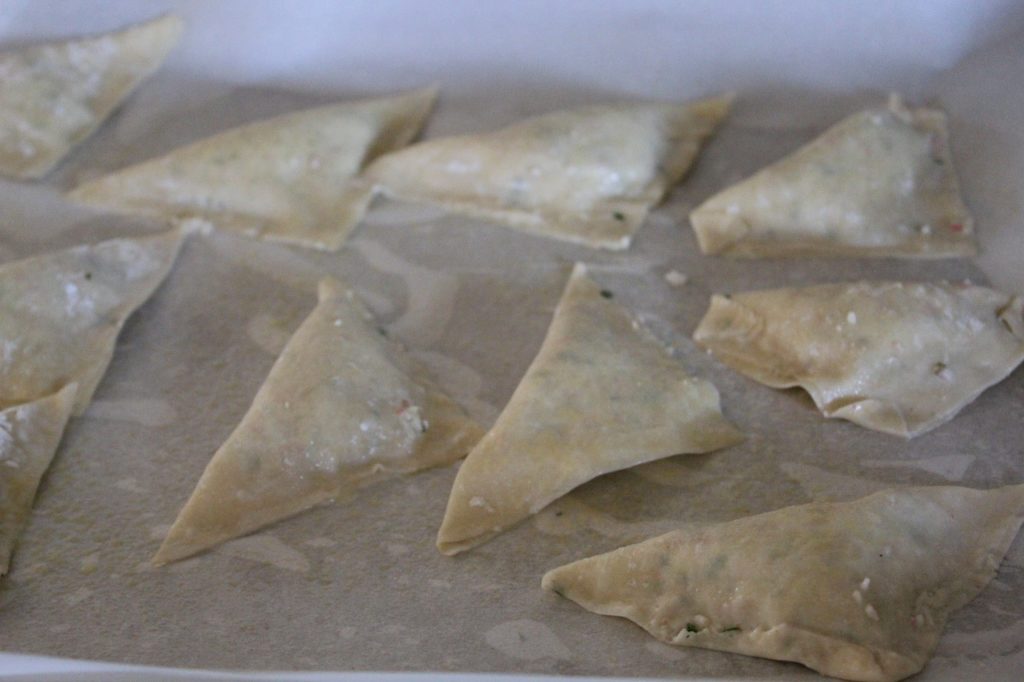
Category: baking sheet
[359,585]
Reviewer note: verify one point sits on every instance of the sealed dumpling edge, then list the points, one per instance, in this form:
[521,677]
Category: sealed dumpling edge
[29,436]
[879,183]
[54,95]
[859,590]
[61,312]
[602,394]
[341,408]
[897,357]
[588,175]
[292,178]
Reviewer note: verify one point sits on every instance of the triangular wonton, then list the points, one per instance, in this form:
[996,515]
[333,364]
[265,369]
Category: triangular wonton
[602,395]
[901,358]
[859,590]
[29,435]
[341,408]
[587,175]
[879,183]
[54,96]
[60,313]
[290,178]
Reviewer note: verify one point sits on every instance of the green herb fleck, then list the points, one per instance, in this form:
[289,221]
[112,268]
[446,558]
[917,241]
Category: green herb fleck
[690,627]
[88,275]
[382,331]
[607,294]
[619,215]
[558,591]
[734,628]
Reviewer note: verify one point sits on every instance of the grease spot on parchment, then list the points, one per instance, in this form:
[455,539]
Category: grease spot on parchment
[822,485]
[526,640]
[949,467]
[568,516]
[146,411]
[431,294]
[669,653]
[1003,641]
[461,381]
[669,473]
[90,563]
[393,212]
[78,596]
[347,632]
[320,542]
[129,484]
[266,549]
[159,531]
[269,333]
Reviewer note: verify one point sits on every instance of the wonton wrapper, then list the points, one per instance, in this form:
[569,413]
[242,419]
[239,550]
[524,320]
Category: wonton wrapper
[859,590]
[587,175]
[29,435]
[60,313]
[341,408]
[601,395]
[879,183]
[290,179]
[54,96]
[894,357]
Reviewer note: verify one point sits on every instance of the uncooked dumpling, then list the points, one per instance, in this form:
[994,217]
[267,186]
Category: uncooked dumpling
[896,357]
[291,178]
[859,590]
[879,183]
[341,408]
[587,175]
[29,435]
[60,313]
[54,96]
[601,395]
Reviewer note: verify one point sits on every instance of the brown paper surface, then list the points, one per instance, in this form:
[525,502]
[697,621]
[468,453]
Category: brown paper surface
[358,585]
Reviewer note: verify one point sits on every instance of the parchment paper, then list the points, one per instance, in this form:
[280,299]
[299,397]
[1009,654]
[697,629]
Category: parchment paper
[359,585]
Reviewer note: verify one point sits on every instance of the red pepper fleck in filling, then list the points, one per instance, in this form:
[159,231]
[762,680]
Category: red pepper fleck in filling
[957,227]
[403,407]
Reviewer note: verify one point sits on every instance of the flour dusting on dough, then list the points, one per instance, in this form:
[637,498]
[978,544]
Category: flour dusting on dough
[527,640]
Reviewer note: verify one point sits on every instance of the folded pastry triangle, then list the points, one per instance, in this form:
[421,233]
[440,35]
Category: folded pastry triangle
[290,179]
[901,358]
[61,312]
[341,408]
[859,590]
[601,395]
[878,183]
[55,95]
[587,175]
[29,435]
